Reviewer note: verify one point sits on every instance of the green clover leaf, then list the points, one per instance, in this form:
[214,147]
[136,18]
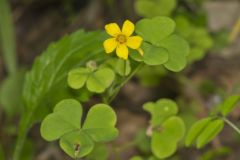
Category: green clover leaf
[154,55]
[66,117]
[76,144]
[65,124]
[161,110]
[100,127]
[78,77]
[167,128]
[96,81]
[161,46]
[100,80]
[178,50]
[160,27]
[164,139]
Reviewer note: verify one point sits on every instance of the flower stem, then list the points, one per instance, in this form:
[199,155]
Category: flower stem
[117,89]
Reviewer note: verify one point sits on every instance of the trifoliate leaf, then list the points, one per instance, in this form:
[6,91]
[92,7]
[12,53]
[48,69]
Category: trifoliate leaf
[156,29]
[76,144]
[165,138]
[162,146]
[178,50]
[100,80]
[78,77]
[65,124]
[161,110]
[65,118]
[100,123]
[154,55]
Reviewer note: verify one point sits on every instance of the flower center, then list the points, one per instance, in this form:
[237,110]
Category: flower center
[121,38]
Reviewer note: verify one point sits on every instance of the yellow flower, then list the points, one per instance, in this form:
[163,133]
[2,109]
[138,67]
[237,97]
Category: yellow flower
[122,39]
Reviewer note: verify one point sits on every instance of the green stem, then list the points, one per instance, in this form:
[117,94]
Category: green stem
[23,130]
[117,89]
[231,125]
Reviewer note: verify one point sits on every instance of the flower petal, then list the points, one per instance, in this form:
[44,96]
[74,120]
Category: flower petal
[128,28]
[109,45]
[134,42]
[112,29]
[122,51]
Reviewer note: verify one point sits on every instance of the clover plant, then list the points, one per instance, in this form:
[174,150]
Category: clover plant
[79,62]
[57,91]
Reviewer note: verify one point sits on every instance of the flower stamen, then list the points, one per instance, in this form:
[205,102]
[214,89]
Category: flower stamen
[121,38]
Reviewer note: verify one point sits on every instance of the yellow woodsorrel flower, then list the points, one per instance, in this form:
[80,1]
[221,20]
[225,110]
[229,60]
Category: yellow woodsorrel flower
[122,39]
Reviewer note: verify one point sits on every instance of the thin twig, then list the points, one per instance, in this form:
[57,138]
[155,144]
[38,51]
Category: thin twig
[231,125]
